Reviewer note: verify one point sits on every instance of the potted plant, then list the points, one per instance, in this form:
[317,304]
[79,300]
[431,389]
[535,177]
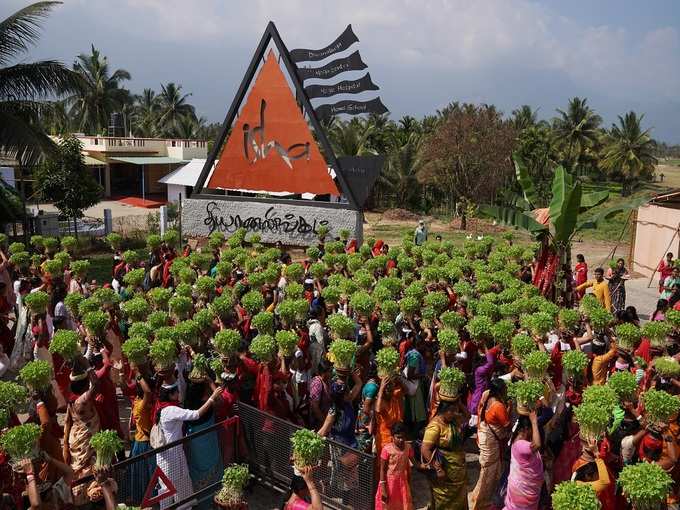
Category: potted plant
[287,341]
[163,352]
[593,420]
[409,305]
[234,481]
[37,375]
[574,363]
[452,320]
[628,336]
[569,318]
[341,327]
[252,301]
[106,444]
[645,485]
[159,297]
[331,294]
[136,350]
[362,303]
[502,332]
[115,240]
[200,365]
[158,319]
[21,443]
[624,385]
[387,332]
[449,340]
[188,332]
[136,309]
[667,367]
[205,286]
[451,380]
[263,348]
[341,353]
[387,360]
[263,322]
[522,345]
[65,343]
[660,406]
[37,302]
[180,307]
[227,342]
[536,364]
[69,243]
[656,332]
[526,394]
[134,278]
[95,323]
[13,398]
[602,396]
[575,496]
[308,447]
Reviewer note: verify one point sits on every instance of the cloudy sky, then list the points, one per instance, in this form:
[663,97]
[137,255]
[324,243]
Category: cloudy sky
[620,54]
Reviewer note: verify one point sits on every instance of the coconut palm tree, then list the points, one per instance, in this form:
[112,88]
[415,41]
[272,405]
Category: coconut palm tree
[145,114]
[628,151]
[172,106]
[399,176]
[189,127]
[101,93]
[351,138]
[576,130]
[524,117]
[26,87]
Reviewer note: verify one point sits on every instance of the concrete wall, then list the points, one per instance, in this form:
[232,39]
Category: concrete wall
[288,222]
[174,190]
[654,231]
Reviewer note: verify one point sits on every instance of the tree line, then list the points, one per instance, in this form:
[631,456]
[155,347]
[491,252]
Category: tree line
[447,162]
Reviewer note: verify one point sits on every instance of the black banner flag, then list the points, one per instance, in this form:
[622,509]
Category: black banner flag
[344,41]
[360,173]
[344,87]
[351,63]
[351,108]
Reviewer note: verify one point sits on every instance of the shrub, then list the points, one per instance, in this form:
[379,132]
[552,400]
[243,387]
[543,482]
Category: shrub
[131,257]
[294,272]
[158,319]
[363,303]
[171,238]
[480,328]
[134,278]
[188,332]
[252,301]
[115,240]
[13,397]
[603,396]
[72,302]
[80,267]
[21,259]
[657,331]
[667,367]
[205,285]
[522,345]
[17,248]
[526,393]
[502,332]
[449,341]
[452,320]
[389,310]
[600,318]
[136,309]
[331,295]
[180,306]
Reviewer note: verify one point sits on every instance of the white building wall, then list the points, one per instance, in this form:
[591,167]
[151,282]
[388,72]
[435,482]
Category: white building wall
[655,235]
[174,190]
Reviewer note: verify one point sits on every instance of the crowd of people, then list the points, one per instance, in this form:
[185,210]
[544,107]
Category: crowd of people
[411,353]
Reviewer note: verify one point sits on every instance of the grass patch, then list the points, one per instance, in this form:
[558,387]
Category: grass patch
[101,265]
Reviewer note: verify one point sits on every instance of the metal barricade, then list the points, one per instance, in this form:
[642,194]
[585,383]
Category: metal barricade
[345,478]
[194,465]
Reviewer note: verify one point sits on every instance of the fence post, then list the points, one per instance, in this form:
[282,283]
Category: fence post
[163,219]
[108,221]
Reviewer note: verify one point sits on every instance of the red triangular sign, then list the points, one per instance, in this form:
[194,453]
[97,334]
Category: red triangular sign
[158,475]
[271,147]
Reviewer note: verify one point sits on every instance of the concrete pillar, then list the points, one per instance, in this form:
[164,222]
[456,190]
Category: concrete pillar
[108,221]
[163,219]
[107,181]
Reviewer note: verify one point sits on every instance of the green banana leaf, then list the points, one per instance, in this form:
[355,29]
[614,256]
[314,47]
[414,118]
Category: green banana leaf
[591,223]
[564,205]
[526,182]
[512,218]
[590,200]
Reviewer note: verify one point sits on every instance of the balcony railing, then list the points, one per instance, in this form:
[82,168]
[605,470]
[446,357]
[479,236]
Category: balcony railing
[117,141]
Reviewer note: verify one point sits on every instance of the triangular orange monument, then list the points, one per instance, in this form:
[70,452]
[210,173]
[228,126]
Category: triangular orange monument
[271,147]
[267,162]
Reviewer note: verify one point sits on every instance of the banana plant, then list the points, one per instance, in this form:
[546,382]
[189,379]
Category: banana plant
[556,225]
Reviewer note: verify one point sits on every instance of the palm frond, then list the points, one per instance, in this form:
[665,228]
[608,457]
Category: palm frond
[37,80]
[21,29]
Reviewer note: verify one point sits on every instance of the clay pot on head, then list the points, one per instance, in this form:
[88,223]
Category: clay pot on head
[241,505]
